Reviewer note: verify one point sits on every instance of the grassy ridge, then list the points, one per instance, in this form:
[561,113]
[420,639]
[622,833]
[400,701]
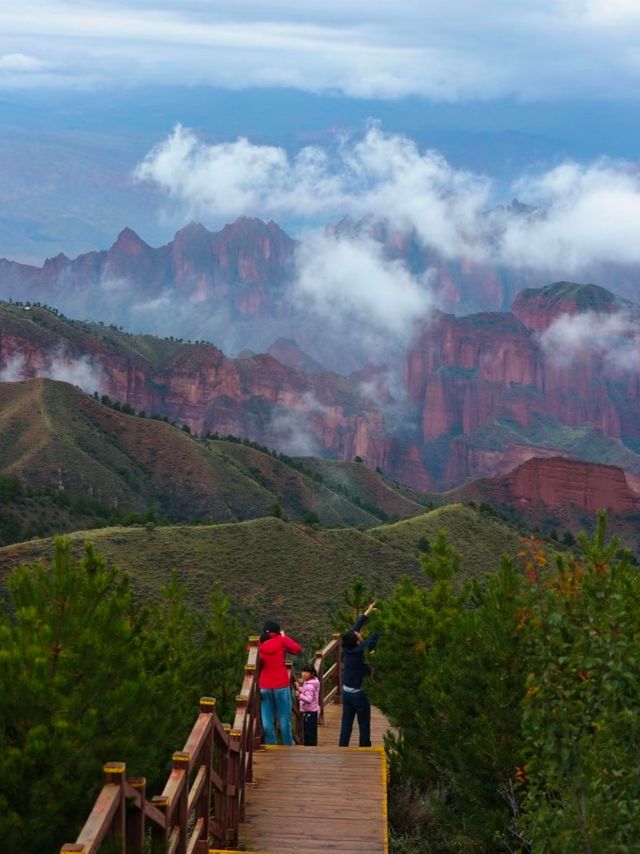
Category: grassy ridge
[54,435]
[369,488]
[271,567]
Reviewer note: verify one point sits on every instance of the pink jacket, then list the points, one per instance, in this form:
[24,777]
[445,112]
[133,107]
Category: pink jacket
[308,695]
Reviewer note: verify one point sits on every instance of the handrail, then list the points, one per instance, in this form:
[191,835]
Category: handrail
[331,677]
[215,764]
[203,799]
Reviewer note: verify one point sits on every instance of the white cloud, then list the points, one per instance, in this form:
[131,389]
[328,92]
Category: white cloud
[352,281]
[20,62]
[593,216]
[14,370]
[83,372]
[612,11]
[381,174]
[291,428]
[447,51]
[613,337]
[591,213]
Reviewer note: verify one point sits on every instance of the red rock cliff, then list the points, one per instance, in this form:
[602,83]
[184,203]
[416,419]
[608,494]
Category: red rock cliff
[556,482]
[196,384]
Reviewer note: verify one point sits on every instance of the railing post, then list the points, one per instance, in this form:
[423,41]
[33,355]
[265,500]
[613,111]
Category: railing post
[114,774]
[136,818]
[203,810]
[234,781]
[162,803]
[336,636]
[222,798]
[318,661]
[254,642]
[180,762]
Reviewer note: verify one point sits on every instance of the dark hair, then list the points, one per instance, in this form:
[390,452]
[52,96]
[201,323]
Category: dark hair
[349,640]
[270,627]
[308,668]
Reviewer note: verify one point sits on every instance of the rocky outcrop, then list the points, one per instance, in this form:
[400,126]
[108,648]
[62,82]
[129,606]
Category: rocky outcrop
[490,392]
[556,482]
[240,268]
[537,308]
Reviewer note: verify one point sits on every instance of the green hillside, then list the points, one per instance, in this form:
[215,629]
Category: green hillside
[53,436]
[48,328]
[271,567]
[479,538]
[369,488]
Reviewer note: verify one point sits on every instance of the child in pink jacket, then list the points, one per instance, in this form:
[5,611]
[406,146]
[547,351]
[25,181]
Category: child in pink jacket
[308,696]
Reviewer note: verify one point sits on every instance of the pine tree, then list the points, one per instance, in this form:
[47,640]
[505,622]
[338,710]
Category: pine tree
[223,653]
[72,683]
[449,677]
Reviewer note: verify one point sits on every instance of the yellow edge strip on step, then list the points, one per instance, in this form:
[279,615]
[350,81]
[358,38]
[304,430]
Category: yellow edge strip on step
[385,817]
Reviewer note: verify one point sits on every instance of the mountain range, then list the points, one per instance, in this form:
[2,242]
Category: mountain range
[469,402]
[480,394]
[235,286]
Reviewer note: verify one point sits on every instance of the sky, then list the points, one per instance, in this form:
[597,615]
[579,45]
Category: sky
[505,95]
[459,50]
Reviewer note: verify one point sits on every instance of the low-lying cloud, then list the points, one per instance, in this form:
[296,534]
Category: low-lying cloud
[592,217]
[291,428]
[354,282]
[384,175]
[82,372]
[613,337]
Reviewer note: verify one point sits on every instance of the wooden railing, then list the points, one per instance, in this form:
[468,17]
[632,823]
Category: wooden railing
[215,765]
[203,800]
[330,675]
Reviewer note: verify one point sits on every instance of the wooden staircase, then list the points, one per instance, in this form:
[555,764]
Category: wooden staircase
[229,792]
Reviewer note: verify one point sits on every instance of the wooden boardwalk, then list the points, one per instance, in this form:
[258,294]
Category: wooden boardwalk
[315,799]
[225,790]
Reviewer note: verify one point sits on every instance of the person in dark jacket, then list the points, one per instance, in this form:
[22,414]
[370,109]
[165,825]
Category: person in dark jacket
[274,681]
[355,702]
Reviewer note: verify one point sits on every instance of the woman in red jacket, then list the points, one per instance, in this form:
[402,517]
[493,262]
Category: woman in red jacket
[275,691]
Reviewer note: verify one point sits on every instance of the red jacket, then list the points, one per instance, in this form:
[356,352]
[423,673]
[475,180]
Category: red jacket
[273,671]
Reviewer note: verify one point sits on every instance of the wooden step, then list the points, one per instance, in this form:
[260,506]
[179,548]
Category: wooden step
[315,799]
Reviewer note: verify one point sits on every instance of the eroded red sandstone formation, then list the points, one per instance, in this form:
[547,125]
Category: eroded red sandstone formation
[491,372]
[467,372]
[556,482]
[196,384]
[537,308]
[482,389]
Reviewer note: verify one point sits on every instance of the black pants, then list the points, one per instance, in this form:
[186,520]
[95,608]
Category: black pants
[310,729]
[355,704]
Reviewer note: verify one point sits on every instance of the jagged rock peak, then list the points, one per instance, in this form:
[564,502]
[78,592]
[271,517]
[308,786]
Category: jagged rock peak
[60,260]
[192,230]
[251,226]
[128,239]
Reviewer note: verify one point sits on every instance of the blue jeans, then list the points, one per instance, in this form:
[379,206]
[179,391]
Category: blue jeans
[355,704]
[276,702]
